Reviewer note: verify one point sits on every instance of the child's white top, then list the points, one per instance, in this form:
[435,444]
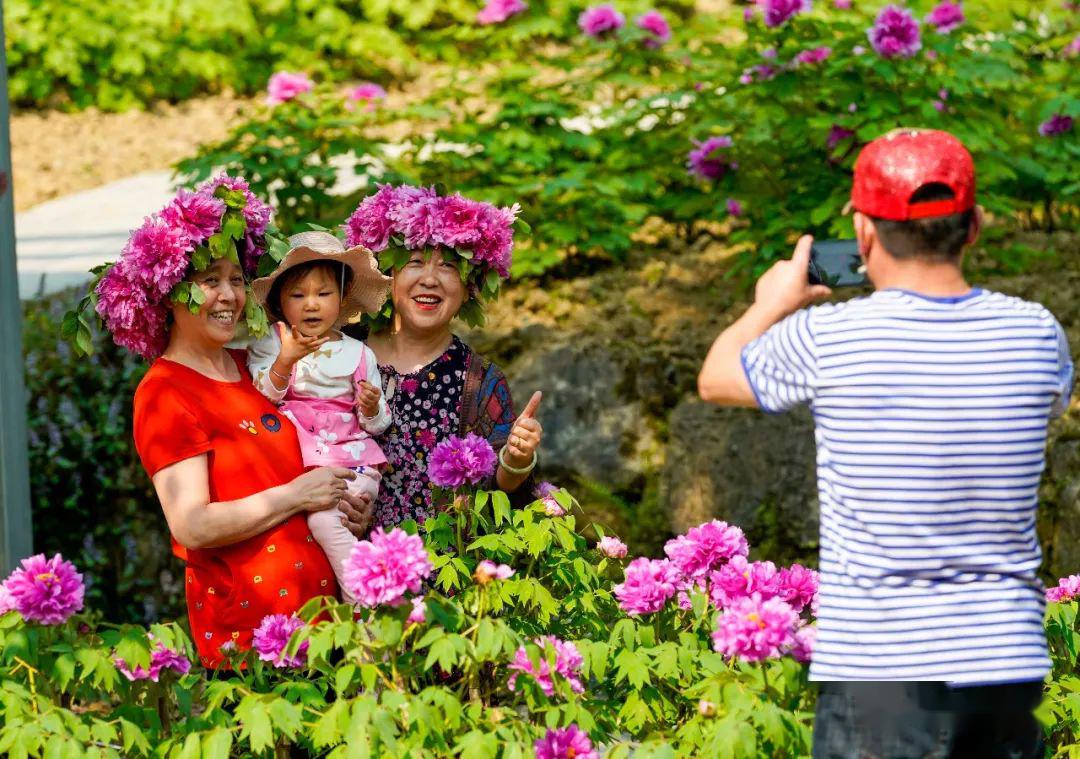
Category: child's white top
[326,373]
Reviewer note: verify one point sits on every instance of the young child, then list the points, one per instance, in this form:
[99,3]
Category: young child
[325,382]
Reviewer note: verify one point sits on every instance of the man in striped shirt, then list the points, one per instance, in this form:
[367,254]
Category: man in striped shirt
[931,400]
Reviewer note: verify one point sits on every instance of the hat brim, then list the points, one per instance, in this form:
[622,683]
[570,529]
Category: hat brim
[366,295]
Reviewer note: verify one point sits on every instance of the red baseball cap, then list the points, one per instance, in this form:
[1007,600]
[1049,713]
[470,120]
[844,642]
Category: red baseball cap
[893,167]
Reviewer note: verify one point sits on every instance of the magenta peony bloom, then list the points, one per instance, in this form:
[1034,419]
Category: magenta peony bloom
[813,55]
[1067,589]
[705,548]
[195,214]
[161,658]
[135,324]
[285,85]
[418,615]
[370,224]
[753,630]
[459,221]
[946,16]
[837,135]
[802,647]
[380,569]
[456,461]
[779,11]
[895,33]
[657,27]
[497,11]
[44,590]
[842,5]
[271,639]
[565,743]
[600,20]
[740,578]
[734,207]
[156,256]
[798,586]
[1057,124]
[748,13]
[256,216]
[705,161]
[7,601]
[611,547]
[647,586]
[488,570]
[568,661]
[368,93]
[544,489]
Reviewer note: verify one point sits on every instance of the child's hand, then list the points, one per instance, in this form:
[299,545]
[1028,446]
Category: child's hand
[294,345]
[367,399]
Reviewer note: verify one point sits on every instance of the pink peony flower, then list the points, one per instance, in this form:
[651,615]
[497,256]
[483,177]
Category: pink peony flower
[7,601]
[161,658]
[487,570]
[553,508]
[753,629]
[779,11]
[705,548]
[600,20]
[157,256]
[135,323]
[946,16]
[647,586]
[459,221]
[769,53]
[565,743]
[47,591]
[748,13]
[457,460]
[802,647]
[611,547]
[895,33]
[196,214]
[285,85]
[1057,124]
[568,661]
[842,5]
[370,224]
[418,615]
[544,489]
[271,639]
[657,27]
[739,578]
[368,93]
[705,161]
[813,55]
[734,207]
[497,11]
[380,569]
[1067,589]
[798,586]
[256,216]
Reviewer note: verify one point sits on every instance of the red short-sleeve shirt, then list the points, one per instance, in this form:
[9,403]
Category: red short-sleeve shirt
[180,413]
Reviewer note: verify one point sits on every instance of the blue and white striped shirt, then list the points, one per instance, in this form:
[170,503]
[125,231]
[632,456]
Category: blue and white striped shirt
[930,418]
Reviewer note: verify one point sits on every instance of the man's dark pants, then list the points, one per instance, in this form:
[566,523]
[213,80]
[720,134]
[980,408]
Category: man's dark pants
[898,720]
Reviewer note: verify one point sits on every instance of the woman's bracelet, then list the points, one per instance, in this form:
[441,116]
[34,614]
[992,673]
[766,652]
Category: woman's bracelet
[512,470]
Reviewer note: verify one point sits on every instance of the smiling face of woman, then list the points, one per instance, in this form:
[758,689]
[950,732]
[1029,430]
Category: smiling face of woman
[427,291]
[223,286]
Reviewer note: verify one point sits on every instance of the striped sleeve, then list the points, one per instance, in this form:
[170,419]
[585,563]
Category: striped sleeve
[1065,373]
[781,365]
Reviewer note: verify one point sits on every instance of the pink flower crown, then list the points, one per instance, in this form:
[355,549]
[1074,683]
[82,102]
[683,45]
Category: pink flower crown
[133,296]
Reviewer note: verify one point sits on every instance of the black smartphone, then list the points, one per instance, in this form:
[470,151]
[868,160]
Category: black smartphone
[836,263]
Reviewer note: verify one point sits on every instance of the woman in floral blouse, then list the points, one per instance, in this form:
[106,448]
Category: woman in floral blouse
[444,254]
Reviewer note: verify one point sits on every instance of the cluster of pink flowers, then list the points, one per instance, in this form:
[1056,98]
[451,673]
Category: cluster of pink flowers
[459,460]
[418,613]
[488,570]
[813,55]
[754,629]
[705,548]
[497,11]
[545,491]
[565,743]
[1057,124]
[161,659]
[647,585]
[420,218]
[568,661]
[285,85]
[381,569]
[367,93]
[271,639]
[656,26]
[133,295]
[706,161]
[47,591]
[601,20]
[611,547]
[1067,589]
[777,12]
[895,33]
[946,16]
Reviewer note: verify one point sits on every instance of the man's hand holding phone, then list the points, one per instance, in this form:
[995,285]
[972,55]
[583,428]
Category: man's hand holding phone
[786,287]
[836,263]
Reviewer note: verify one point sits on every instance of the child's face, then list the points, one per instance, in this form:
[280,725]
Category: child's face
[312,303]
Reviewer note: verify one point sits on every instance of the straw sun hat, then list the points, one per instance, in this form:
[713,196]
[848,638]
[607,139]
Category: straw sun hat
[369,287]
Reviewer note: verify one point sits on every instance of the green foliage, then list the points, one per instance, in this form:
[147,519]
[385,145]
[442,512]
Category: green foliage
[592,137]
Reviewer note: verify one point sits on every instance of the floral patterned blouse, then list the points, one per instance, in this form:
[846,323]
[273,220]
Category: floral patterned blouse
[425,406]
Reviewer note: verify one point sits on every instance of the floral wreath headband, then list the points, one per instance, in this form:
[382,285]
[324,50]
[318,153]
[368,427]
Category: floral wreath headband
[396,221]
[133,296]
